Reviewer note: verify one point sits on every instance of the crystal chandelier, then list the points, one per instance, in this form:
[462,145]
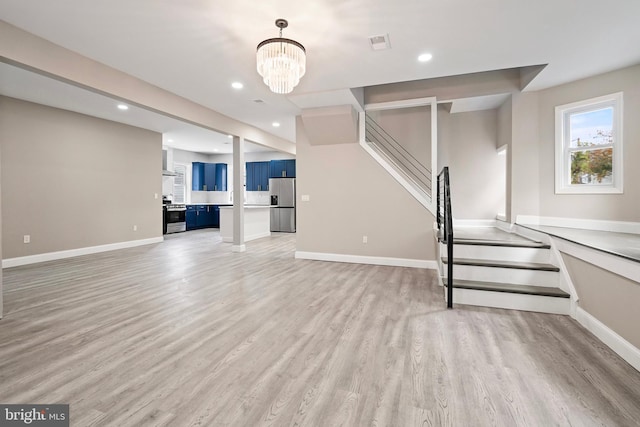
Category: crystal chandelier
[281,62]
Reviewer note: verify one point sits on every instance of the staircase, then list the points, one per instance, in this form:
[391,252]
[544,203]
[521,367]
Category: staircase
[504,270]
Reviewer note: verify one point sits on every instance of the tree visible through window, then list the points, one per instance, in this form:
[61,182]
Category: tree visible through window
[589,146]
[591,136]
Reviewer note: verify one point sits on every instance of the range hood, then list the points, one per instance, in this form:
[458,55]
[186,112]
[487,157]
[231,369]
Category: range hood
[165,171]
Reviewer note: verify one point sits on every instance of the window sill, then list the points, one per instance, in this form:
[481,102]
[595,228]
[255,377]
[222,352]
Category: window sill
[589,190]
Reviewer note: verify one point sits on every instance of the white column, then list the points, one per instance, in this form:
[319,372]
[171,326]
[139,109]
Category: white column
[238,195]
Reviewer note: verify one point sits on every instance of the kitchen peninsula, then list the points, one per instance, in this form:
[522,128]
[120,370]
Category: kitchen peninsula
[257,222]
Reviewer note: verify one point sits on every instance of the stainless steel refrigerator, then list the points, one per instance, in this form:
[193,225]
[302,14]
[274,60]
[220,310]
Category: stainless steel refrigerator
[283,204]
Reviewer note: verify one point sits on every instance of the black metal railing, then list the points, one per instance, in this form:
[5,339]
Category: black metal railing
[411,166]
[445,226]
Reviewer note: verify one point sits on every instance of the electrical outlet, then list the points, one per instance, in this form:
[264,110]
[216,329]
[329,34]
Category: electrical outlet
[364,239]
[27,238]
[305,198]
[155,195]
[135,228]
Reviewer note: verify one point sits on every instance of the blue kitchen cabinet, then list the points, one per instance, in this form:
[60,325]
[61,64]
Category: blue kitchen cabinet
[220,183]
[282,168]
[275,169]
[191,217]
[201,211]
[202,216]
[258,176]
[263,173]
[290,168]
[216,216]
[209,176]
[250,176]
[197,176]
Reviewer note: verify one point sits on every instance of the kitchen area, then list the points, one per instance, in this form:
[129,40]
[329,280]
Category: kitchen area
[197,191]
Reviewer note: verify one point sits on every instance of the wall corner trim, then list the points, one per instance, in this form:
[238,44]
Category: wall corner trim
[52,256]
[622,347]
[372,260]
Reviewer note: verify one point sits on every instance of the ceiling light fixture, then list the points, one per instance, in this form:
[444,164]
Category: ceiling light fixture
[237,85]
[425,57]
[275,124]
[281,62]
[123,107]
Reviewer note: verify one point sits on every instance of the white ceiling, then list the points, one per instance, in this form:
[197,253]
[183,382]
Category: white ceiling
[23,84]
[197,48]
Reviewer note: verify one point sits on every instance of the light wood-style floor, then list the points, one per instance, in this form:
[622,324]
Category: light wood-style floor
[187,333]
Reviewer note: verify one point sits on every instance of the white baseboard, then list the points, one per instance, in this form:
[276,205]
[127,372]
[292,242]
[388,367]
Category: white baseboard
[238,248]
[585,224]
[622,347]
[52,256]
[358,259]
[248,238]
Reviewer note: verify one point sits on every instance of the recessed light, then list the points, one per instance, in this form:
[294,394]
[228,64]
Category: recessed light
[123,107]
[237,85]
[216,150]
[169,140]
[425,57]
[229,136]
[275,124]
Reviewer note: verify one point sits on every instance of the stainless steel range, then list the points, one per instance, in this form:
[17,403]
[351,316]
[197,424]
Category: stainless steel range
[175,218]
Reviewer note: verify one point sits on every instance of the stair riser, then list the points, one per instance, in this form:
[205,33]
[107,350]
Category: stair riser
[500,253]
[535,303]
[504,275]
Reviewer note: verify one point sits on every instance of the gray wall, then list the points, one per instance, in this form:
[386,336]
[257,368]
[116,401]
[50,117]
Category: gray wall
[615,207]
[410,127]
[610,298]
[467,144]
[504,138]
[72,181]
[524,156]
[351,195]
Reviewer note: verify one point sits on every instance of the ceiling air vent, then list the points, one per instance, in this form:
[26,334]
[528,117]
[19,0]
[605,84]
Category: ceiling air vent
[258,101]
[380,42]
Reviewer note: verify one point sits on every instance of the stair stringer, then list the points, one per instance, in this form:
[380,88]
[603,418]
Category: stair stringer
[564,281]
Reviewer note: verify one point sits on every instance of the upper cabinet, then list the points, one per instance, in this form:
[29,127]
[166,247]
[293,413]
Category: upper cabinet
[282,168]
[257,176]
[209,176]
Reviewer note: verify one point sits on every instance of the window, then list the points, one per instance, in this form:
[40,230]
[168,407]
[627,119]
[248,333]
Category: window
[179,183]
[589,146]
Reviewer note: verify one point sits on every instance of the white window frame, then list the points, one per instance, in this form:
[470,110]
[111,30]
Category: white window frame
[563,146]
